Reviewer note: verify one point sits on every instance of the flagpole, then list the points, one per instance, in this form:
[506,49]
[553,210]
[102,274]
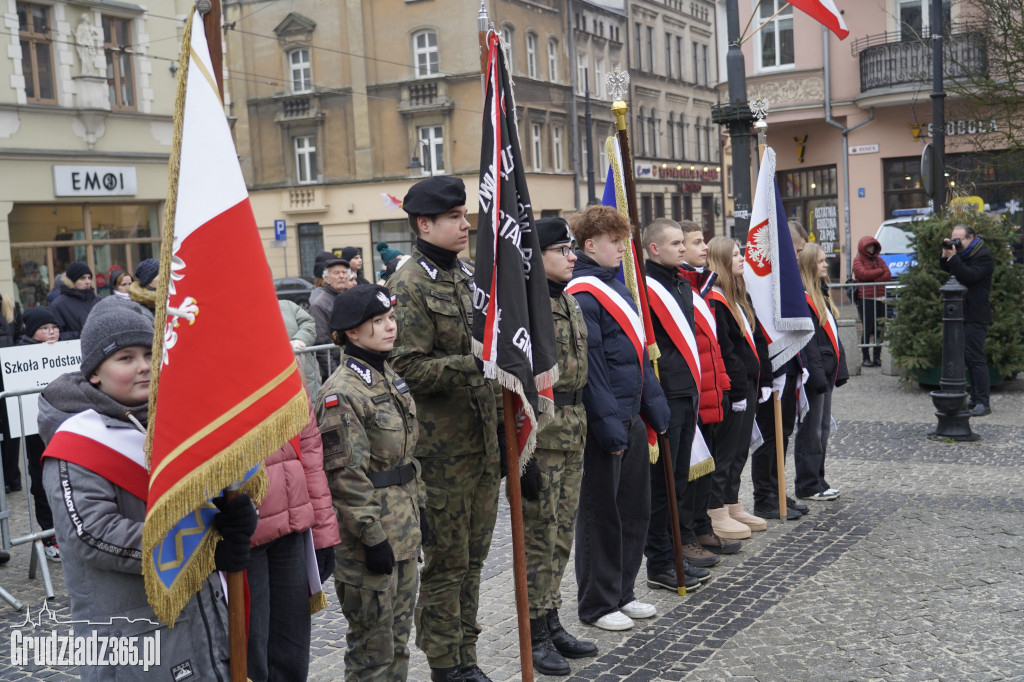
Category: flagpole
[759,107]
[512,483]
[619,108]
[237,625]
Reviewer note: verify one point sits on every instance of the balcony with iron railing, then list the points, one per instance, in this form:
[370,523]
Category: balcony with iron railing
[891,60]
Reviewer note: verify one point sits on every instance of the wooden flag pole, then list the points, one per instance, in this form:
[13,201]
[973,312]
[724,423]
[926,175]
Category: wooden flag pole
[237,625]
[780,449]
[512,483]
[515,503]
[619,108]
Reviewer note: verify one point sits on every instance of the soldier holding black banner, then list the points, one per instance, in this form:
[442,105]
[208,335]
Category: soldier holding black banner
[458,446]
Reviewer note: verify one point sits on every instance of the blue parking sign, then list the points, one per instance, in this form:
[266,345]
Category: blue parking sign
[280,234]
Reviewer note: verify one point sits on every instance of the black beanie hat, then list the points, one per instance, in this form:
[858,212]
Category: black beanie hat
[76,270]
[36,317]
[147,271]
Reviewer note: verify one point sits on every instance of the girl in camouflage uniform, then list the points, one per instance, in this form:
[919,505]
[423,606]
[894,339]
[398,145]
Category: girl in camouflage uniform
[367,421]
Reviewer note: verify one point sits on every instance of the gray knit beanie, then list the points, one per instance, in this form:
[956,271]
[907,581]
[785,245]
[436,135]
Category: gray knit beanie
[113,323]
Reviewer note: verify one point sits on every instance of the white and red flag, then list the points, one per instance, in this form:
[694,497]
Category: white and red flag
[772,276]
[824,12]
[226,391]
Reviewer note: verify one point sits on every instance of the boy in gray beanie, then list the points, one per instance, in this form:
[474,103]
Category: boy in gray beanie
[113,324]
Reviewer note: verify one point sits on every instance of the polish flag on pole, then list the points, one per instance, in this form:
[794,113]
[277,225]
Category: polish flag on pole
[226,391]
[824,12]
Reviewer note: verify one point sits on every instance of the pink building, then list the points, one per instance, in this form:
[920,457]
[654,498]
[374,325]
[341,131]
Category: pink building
[875,84]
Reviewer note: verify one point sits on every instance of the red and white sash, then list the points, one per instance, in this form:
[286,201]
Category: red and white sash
[703,317]
[666,309]
[748,333]
[830,328]
[617,307]
[115,454]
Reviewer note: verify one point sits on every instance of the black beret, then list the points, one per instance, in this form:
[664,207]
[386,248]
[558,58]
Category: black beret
[552,231]
[359,304]
[434,196]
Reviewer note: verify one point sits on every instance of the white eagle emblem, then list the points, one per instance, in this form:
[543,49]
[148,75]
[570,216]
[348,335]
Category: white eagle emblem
[384,300]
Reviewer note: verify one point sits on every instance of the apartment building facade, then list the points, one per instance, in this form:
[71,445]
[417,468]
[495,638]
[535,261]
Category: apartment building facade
[875,86]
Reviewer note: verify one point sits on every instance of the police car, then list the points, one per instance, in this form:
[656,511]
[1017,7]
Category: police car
[894,236]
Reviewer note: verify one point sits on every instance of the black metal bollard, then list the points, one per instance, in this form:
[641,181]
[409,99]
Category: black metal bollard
[951,399]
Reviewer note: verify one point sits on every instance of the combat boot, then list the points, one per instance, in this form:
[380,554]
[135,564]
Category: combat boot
[473,673]
[546,659]
[567,645]
[446,675]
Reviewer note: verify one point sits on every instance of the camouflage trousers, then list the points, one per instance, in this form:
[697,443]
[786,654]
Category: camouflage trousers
[548,525]
[379,622]
[462,507]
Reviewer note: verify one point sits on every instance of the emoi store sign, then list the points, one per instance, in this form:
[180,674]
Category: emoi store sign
[94,181]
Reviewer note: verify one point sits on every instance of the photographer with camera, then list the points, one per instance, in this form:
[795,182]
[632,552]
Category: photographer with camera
[965,256]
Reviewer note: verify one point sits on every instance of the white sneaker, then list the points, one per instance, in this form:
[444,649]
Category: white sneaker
[638,609]
[52,552]
[616,620]
[833,491]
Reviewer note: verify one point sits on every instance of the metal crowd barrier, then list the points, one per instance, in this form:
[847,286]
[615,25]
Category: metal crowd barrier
[869,314]
[38,559]
[325,356]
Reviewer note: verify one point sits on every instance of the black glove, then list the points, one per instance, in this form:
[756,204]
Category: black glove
[325,563]
[529,482]
[380,558]
[425,537]
[503,449]
[236,521]
[820,390]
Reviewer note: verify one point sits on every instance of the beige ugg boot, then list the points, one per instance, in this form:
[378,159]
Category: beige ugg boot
[726,526]
[753,522]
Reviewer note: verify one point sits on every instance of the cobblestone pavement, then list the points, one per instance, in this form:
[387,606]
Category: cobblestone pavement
[916,573]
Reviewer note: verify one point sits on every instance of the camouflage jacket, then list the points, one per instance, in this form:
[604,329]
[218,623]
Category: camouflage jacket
[433,352]
[569,427]
[368,424]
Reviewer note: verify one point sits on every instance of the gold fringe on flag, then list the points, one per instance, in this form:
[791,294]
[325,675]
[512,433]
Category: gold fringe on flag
[318,602]
[703,469]
[223,468]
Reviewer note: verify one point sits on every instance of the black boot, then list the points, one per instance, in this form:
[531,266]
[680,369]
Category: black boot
[567,645]
[546,659]
[473,673]
[865,353]
[877,352]
[446,675]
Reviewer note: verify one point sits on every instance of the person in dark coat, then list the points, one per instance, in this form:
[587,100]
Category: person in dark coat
[825,361]
[10,332]
[40,327]
[664,243]
[75,301]
[972,264]
[868,266]
[749,372]
[354,256]
[622,393]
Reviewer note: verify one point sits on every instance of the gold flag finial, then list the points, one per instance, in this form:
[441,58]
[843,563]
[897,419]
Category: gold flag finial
[618,85]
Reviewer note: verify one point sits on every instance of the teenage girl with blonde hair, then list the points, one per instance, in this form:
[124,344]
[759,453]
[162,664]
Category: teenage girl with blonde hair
[825,361]
[747,364]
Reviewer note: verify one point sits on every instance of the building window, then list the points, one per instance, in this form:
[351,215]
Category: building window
[531,55]
[650,49]
[706,75]
[671,134]
[425,53]
[36,52]
[506,39]
[640,137]
[556,139]
[682,136]
[537,149]
[553,60]
[694,59]
[777,35]
[305,159]
[300,69]
[668,55]
[581,73]
[599,78]
[311,245]
[638,48]
[655,135]
[602,162]
[679,57]
[432,147]
[117,37]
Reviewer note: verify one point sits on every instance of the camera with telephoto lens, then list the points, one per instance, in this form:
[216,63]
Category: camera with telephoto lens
[954,244]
